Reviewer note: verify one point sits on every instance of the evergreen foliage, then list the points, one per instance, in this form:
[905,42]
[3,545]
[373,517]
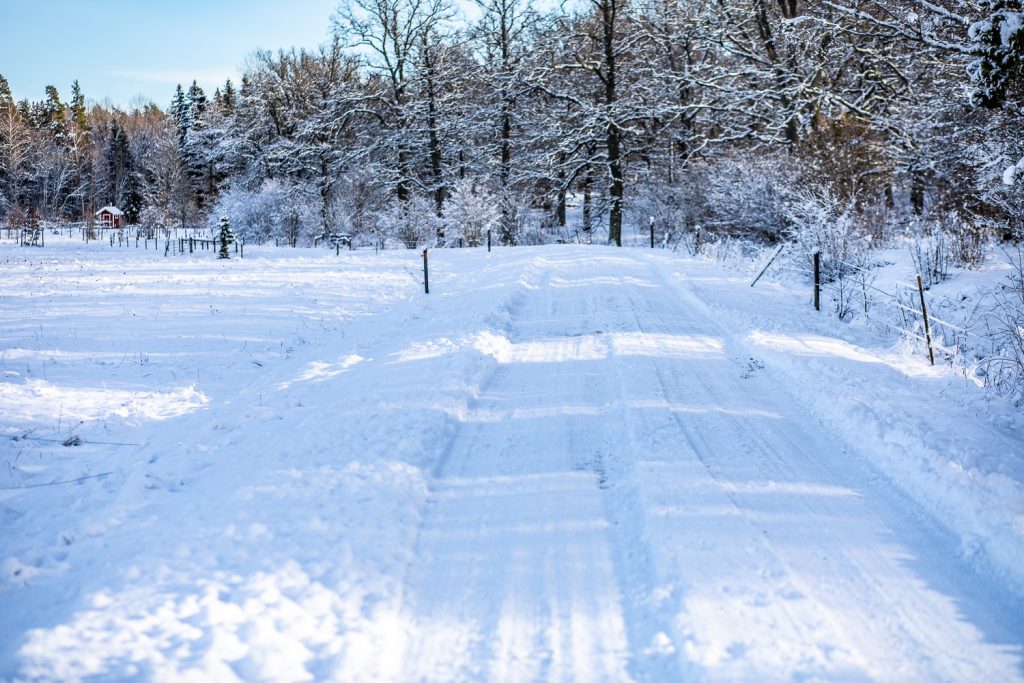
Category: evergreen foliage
[226,237]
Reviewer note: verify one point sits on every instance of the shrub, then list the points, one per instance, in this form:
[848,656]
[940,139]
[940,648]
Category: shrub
[820,223]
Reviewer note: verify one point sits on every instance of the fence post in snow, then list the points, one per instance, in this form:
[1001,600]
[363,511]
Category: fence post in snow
[652,232]
[924,314]
[488,241]
[426,277]
[817,280]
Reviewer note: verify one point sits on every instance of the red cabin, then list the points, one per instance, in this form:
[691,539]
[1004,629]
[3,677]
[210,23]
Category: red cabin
[109,217]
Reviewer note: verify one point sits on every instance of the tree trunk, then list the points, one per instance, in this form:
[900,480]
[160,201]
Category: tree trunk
[588,224]
[433,138]
[613,139]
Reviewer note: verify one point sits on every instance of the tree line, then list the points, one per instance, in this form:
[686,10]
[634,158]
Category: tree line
[416,124]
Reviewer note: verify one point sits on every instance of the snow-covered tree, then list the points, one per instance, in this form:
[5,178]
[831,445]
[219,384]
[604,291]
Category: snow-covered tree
[470,212]
[226,238]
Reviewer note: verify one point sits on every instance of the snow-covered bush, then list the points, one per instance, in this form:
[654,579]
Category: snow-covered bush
[677,209]
[930,254]
[297,218]
[970,240]
[948,240]
[152,217]
[529,225]
[412,222]
[818,222]
[253,214]
[470,211]
[747,197]
[356,205]
[1004,370]
[519,222]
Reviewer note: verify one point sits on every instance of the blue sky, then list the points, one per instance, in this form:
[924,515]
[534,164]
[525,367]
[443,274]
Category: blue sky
[121,49]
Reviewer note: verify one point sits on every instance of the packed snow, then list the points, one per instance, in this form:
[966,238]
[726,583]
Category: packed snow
[572,463]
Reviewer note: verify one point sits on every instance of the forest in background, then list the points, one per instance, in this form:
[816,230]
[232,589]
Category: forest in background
[412,126]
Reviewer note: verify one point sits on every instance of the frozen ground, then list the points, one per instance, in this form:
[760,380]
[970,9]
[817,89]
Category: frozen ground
[565,463]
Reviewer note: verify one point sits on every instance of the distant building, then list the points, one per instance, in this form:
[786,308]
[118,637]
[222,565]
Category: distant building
[109,217]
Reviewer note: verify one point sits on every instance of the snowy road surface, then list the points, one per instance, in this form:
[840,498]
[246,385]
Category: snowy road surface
[566,465]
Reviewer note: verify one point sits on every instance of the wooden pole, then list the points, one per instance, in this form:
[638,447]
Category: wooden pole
[488,241]
[817,280]
[426,276]
[927,329]
[652,232]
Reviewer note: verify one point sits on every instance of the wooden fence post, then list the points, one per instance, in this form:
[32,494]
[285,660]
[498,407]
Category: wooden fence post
[652,232]
[426,275]
[817,280]
[927,329]
[488,241]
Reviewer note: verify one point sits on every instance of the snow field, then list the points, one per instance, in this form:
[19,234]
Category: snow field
[268,478]
[564,464]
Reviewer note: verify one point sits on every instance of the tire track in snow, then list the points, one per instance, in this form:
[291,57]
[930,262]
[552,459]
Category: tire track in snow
[522,564]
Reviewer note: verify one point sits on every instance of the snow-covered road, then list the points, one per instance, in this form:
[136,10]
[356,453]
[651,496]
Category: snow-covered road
[631,496]
[567,464]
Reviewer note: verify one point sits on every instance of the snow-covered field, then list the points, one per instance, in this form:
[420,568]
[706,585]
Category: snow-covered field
[565,463]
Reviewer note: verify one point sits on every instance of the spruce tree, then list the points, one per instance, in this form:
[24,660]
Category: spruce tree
[179,112]
[227,238]
[999,43]
[228,96]
[6,99]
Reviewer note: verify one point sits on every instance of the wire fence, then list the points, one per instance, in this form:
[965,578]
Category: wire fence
[850,284]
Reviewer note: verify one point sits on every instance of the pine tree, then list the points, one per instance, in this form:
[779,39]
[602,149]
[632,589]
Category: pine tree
[53,116]
[78,107]
[227,238]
